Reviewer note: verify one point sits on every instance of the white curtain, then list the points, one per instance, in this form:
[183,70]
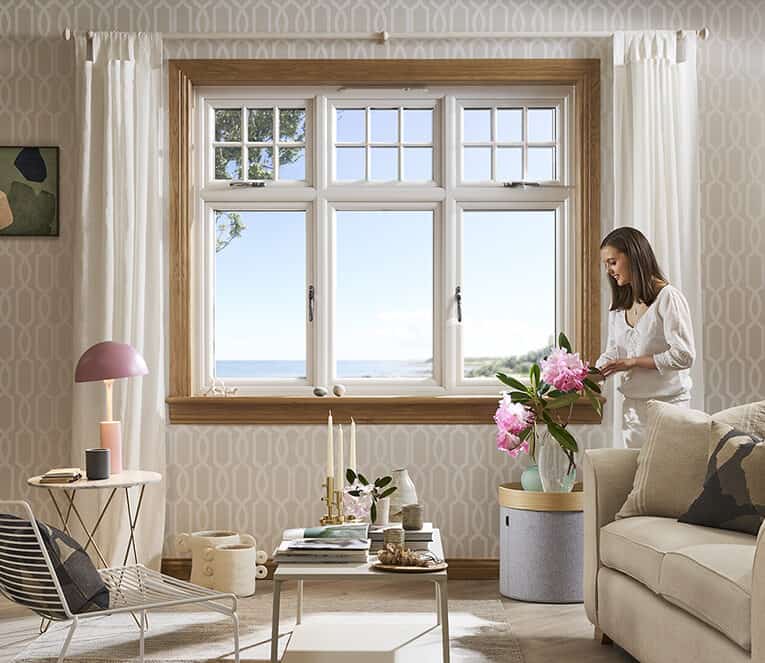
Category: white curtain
[118,266]
[656,170]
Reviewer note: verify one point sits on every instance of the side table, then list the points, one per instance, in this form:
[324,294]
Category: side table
[541,544]
[123,480]
[363,572]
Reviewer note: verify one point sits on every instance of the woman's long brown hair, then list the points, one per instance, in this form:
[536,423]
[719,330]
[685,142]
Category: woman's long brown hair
[647,276]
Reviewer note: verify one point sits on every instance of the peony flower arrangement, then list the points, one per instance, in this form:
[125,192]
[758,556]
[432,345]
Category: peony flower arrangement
[555,384]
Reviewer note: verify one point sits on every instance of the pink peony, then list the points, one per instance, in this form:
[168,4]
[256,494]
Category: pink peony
[512,419]
[564,370]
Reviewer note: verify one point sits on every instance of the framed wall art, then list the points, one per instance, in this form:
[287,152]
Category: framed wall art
[29,191]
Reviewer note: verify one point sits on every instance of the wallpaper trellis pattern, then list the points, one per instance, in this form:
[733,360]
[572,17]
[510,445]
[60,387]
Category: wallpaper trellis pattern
[257,478]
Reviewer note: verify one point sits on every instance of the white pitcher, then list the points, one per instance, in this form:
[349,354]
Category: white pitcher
[196,542]
[406,493]
[234,567]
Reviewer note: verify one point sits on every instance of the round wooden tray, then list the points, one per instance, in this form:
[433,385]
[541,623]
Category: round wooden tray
[512,496]
[408,569]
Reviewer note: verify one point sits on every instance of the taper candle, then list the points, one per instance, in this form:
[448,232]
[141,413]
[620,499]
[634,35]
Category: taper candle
[340,476]
[352,447]
[330,445]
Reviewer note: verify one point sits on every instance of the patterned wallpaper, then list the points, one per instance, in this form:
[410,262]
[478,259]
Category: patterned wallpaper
[255,478]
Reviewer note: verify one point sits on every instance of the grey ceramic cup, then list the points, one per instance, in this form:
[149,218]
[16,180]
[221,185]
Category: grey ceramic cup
[97,463]
[411,516]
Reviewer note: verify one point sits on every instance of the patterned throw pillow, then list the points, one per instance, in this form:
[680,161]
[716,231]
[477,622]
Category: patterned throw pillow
[80,581]
[733,496]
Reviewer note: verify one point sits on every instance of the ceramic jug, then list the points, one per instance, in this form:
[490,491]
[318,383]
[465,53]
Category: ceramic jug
[196,542]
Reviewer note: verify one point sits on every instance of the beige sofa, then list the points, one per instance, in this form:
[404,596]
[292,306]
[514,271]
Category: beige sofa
[663,590]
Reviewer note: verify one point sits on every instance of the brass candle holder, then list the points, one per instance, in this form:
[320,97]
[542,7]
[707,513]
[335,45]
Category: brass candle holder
[334,515]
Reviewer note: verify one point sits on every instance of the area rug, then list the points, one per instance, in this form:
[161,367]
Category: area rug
[479,632]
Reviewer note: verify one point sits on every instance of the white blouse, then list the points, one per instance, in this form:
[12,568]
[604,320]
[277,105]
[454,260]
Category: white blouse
[664,332]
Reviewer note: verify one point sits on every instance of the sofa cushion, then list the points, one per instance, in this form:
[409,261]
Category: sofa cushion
[733,496]
[637,546]
[672,463]
[749,418]
[713,582]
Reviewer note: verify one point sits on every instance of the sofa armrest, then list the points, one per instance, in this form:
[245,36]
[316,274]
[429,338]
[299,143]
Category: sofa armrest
[608,477]
[758,600]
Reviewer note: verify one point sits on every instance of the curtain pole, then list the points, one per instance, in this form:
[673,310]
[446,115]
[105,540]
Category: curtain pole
[384,36]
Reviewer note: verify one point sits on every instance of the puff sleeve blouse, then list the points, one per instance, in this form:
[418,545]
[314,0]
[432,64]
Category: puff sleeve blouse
[664,332]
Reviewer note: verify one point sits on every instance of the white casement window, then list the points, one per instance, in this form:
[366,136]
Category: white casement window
[396,241]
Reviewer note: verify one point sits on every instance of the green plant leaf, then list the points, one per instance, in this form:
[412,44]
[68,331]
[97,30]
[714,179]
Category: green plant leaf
[562,401]
[594,401]
[512,382]
[373,511]
[564,438]
[519,397]
[525,434]
[350,475]
[594,371]
[387,492]
[555,393]
[563,342]
[534,376]
[592,385]
[545,388]
[355,493]
[363,479]
[381,482]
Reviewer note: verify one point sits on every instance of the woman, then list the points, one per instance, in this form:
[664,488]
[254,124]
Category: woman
[650,337]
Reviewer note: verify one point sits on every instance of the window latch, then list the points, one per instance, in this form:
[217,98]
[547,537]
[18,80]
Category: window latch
[241,184]
[520,185]
[311,298]
[458,297]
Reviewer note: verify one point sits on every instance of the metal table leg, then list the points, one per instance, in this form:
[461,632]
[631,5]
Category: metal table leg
[442,590]
[275,621]
[299,601]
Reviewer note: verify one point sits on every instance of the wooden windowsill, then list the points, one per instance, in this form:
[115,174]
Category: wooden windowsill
[272,410]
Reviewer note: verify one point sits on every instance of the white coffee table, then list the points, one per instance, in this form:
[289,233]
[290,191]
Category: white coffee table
[301,572]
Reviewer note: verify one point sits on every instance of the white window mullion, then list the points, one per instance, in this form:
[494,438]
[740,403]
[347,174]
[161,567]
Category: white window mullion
[322,337]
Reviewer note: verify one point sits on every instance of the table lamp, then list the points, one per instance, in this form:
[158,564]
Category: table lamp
[109,361]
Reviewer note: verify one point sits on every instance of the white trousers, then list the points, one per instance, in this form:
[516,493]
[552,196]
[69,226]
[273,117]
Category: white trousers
[635,419]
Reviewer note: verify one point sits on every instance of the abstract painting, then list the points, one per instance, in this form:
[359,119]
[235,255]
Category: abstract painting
[29,191]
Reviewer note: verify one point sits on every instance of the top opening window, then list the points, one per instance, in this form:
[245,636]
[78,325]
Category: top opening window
[510,144]
[389,144]
[264,143]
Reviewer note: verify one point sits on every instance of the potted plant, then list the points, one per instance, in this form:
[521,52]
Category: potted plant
[376,492]
[555,384]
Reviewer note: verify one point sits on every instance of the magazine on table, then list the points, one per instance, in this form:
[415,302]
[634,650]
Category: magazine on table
[328,544]
[349,531]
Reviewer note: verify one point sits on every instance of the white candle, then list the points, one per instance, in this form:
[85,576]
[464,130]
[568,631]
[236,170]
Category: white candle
[330,444]
[339,477]
[352,448]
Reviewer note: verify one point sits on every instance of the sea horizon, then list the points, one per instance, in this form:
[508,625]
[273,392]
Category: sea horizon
[346,368]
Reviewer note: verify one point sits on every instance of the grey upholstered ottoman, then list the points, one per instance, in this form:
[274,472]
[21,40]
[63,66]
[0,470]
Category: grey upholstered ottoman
[541,545]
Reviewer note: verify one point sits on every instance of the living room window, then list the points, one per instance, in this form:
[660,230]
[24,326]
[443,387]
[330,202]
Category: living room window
[394,270]
[403,241]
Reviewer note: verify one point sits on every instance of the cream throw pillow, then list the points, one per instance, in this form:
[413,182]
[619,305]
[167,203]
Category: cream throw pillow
[672,463]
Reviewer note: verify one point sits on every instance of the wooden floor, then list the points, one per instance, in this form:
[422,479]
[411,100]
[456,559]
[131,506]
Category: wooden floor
[547,633]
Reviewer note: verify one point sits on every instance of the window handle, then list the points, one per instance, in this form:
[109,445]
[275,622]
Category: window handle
[239,184]
[458,297]
[520,185]
[311,298]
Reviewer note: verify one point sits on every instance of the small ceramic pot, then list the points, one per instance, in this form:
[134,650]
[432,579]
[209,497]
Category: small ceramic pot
[196,542]
[234,567]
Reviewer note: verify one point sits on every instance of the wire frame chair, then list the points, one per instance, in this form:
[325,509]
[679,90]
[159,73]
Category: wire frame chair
[27,577]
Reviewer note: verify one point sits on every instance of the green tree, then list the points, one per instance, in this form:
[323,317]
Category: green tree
[228,127]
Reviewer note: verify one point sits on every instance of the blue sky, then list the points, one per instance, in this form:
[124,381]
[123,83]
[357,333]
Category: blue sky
[384,285]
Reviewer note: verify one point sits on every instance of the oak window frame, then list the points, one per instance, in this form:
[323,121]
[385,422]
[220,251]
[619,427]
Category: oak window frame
[184,75]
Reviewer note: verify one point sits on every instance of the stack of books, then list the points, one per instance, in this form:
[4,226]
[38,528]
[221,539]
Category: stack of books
[62,475]
[330,544]
[414,539]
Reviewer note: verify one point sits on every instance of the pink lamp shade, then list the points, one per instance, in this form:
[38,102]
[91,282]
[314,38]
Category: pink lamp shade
[108,361]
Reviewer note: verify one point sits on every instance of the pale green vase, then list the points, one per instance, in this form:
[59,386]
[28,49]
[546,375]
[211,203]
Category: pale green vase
[530,479]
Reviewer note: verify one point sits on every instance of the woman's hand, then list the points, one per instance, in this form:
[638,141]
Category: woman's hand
[617,366]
